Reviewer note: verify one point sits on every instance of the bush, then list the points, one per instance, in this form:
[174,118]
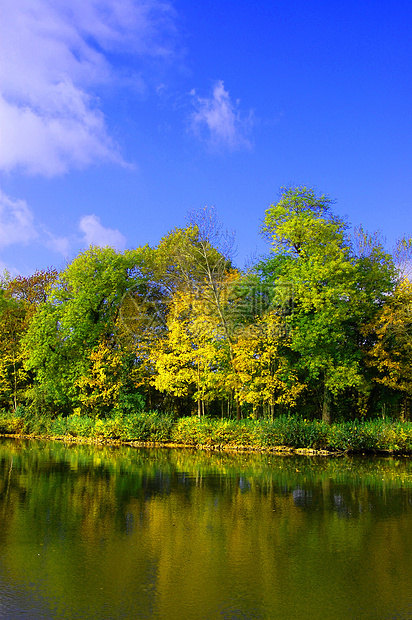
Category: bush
[213,432]
[291,431]
[295,432]
[372,435]
[10,423]
[150,426]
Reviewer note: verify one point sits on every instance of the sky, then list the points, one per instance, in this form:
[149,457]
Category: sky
[119,117]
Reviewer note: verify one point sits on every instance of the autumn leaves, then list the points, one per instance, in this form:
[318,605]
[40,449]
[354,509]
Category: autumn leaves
[321,325]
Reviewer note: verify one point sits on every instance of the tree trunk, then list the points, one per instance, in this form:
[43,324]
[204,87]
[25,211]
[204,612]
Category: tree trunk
[238,409]
[327,401]
[15,386]
[405,413]
[199,408]
[272,410]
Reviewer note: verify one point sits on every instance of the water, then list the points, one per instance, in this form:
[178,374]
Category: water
[101,533]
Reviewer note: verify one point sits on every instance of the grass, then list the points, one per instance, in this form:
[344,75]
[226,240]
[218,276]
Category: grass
[288,431]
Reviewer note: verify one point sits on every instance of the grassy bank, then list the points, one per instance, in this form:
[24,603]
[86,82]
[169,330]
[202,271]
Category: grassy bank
[291,432]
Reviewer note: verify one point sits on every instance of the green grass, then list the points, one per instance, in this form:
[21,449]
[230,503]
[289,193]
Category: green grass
[289,431]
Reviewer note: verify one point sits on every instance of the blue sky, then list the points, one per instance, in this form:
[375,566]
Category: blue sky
[117,117]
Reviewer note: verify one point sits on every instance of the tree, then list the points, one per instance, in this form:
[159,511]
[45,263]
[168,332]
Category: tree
[186,358]
[391,352]
[107,379]
[301,221]
[197,260]
[32,289]
[19,300]
[79,314]
[314,259]
[13,378]
[261,361]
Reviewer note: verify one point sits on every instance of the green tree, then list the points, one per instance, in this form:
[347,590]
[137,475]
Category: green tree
[315,258]
[80,313]
[19,300]
[13,378]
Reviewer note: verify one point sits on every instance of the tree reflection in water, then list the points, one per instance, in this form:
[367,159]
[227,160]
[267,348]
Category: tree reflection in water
[103,532]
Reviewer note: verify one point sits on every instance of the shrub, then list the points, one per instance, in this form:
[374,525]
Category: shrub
[150,426]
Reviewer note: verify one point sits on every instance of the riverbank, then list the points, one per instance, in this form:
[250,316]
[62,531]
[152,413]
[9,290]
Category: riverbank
[285,434]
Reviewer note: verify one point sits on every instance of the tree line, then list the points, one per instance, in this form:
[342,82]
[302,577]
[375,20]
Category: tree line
[320,326]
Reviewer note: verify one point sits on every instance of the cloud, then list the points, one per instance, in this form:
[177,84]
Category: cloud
[16,222]
[218,121]
[18,226]
[96,234]
[60,245]
[53,56]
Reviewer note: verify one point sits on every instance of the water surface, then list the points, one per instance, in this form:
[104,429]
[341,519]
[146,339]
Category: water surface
[101,533]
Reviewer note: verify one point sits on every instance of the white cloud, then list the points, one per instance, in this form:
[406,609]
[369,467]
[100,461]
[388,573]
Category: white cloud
[218,121]
[16,222]
[96,234]
[18,226]
[52,56]
[51,144]
[60,245]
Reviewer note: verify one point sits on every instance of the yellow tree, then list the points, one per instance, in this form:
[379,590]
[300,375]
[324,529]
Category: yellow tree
[100,387]
[262,367]
[199,263]
[391,330]
[185,359]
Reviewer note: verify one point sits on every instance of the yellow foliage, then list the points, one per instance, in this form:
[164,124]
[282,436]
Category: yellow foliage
[185,359]
[264,373]
[391,353]
[99,388]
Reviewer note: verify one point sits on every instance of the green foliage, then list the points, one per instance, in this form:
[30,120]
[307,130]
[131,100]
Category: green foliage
[193,431]
[13,324]
[335,290]
[149,426]
[283,432]
[296,432]
[321,326]
[372,435]
[301,220]
[130,402]
[72,337]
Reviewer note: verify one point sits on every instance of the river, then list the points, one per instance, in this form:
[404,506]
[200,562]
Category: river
[100,533]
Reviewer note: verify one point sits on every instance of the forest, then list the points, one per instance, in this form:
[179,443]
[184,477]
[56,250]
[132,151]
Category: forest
[320,327]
